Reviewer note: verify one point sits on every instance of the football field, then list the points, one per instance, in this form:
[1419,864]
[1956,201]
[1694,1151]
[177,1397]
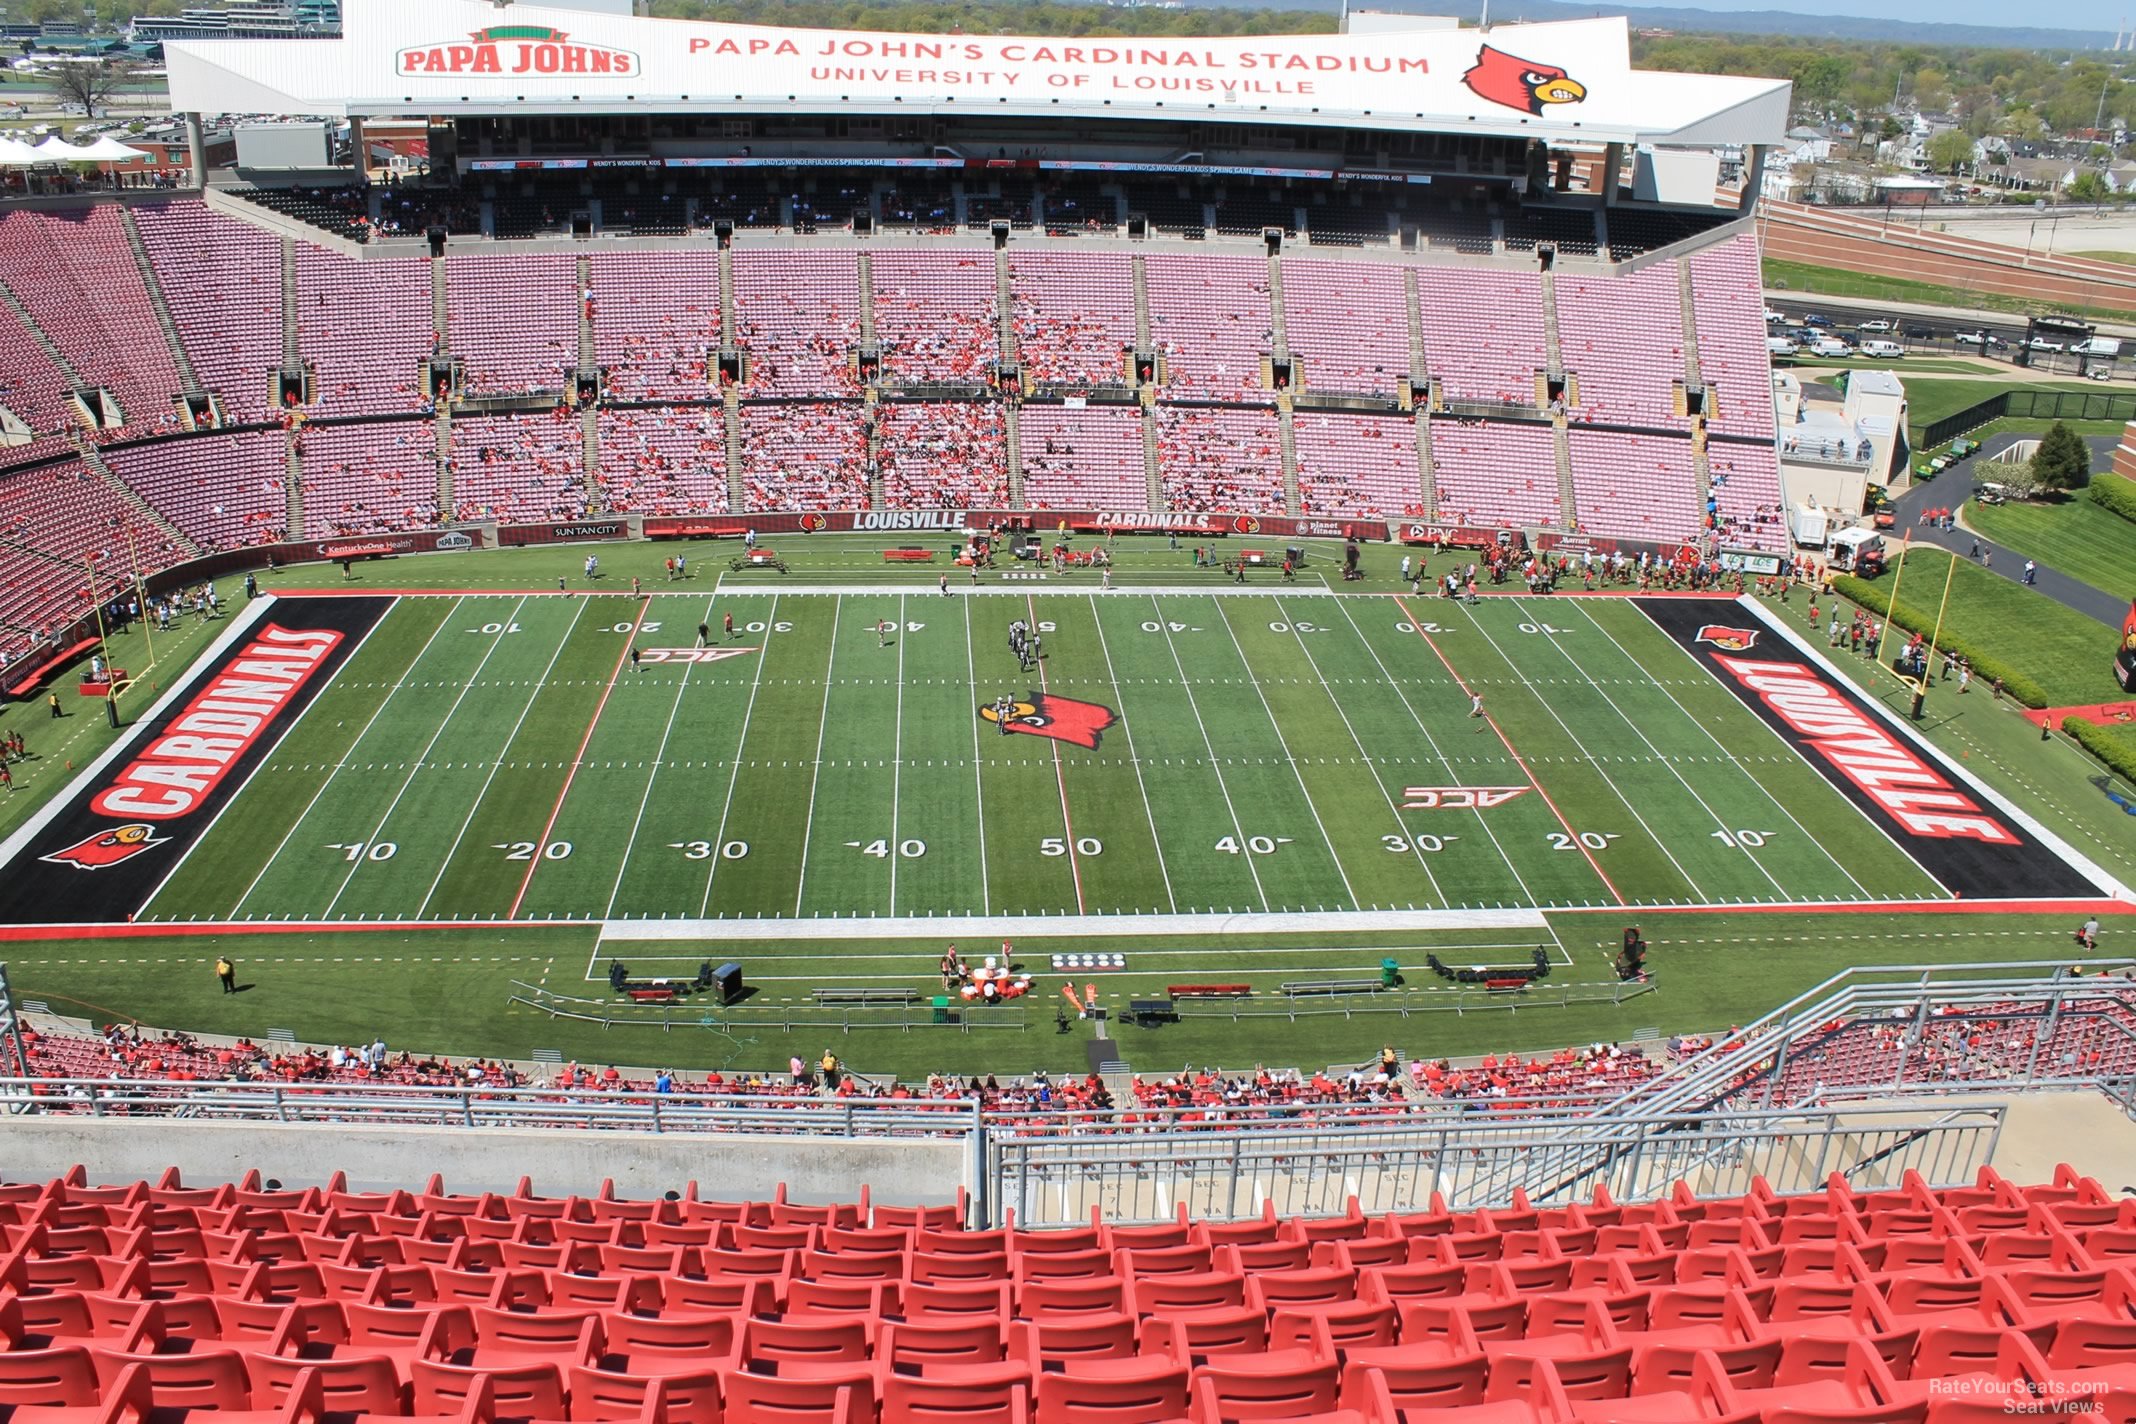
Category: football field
[491,756]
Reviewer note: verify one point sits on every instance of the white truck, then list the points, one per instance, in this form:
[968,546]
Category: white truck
[2107,347]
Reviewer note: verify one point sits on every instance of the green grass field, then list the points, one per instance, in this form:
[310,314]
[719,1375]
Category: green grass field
[2071,534]
[825,804]
[1261,760]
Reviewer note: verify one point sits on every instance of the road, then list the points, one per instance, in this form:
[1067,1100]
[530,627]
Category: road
[1927,332]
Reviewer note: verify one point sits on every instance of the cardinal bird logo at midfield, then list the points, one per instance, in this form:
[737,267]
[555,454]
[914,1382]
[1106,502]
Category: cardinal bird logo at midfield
[1521,83]
[1062,718]
[94,852]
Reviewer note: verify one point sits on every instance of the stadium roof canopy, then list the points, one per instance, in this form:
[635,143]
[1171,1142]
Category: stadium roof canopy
[1557,82]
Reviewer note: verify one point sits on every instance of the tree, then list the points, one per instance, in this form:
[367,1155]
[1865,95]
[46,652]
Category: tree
[2063,461]
[2087,187]
[87,86]
[1950,151]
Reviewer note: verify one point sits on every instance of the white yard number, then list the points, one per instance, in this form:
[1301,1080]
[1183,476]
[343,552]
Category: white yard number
[1418,628]
[375,850]
[1084,845]
[1747,840]
[1045,626]
[649,626]
[702,850]
[493,629]
[1401,845]
[782,626]
[1301,627]
[524,850]
[1541,628]
[1156,627]
[1259,845]
[880,849]
[1592,840]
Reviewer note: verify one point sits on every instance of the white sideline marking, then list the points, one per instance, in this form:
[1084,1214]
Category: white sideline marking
[1123,591]
[948,927]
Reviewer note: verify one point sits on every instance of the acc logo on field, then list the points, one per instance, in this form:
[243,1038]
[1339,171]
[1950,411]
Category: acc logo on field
[691,655]
[1722,636]
[815,523]
[1245,524]
[1457,798]
[94,852]
[1062,718]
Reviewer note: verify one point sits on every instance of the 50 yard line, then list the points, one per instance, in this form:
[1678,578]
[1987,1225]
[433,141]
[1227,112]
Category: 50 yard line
[1156,841]
[1060,777]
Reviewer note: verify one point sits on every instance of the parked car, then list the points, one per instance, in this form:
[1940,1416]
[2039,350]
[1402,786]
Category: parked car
[1883,350]
[1987,340]
[1920,333]
[1878,324]
[1780,346]
[1830,346]
[1816,319]
[1772,316]
[2041,343]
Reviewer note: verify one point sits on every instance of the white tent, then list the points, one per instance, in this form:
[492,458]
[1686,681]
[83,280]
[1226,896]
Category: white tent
[57,150]
[107,149]
[14,153]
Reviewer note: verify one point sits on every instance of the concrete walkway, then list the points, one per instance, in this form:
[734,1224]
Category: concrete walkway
[2092,602]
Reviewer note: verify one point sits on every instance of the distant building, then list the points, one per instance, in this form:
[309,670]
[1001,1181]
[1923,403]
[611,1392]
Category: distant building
[241,20]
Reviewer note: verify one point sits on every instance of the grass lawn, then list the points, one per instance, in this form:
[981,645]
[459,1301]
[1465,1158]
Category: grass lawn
[2069,654]
[2126,259]
[1908,369]
[2072,534]
[1929,401]
[449,992]
[1806,280]
[2009,426]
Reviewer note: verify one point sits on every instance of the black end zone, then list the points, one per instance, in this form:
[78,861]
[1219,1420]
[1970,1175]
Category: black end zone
[117,834]
[1936,812]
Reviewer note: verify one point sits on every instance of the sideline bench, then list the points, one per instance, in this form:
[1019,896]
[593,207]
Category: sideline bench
[867,995]
[1515,981]
[651,995]
[1209,991]
[1296,987]
[1150,1012]
[31,681]
[908,556]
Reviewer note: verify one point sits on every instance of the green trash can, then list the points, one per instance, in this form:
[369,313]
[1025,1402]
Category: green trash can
[1390,973]
[941,1008]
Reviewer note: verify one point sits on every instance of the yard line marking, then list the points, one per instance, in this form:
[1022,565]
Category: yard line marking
[340,765]
[1482,821]
[1640,733]
[659,756]
[1498,731]
[734,774]
[630,641]
[1722,748]
[897,750]
[1514,671]
[498,763]
[428,747]
[971,670]
[1230,810]
[1269,712]
[1377,780]
[1060,777]
[808,823]
[1156,840]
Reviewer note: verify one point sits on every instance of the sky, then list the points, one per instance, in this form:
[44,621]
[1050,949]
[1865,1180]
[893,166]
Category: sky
[2103,15]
